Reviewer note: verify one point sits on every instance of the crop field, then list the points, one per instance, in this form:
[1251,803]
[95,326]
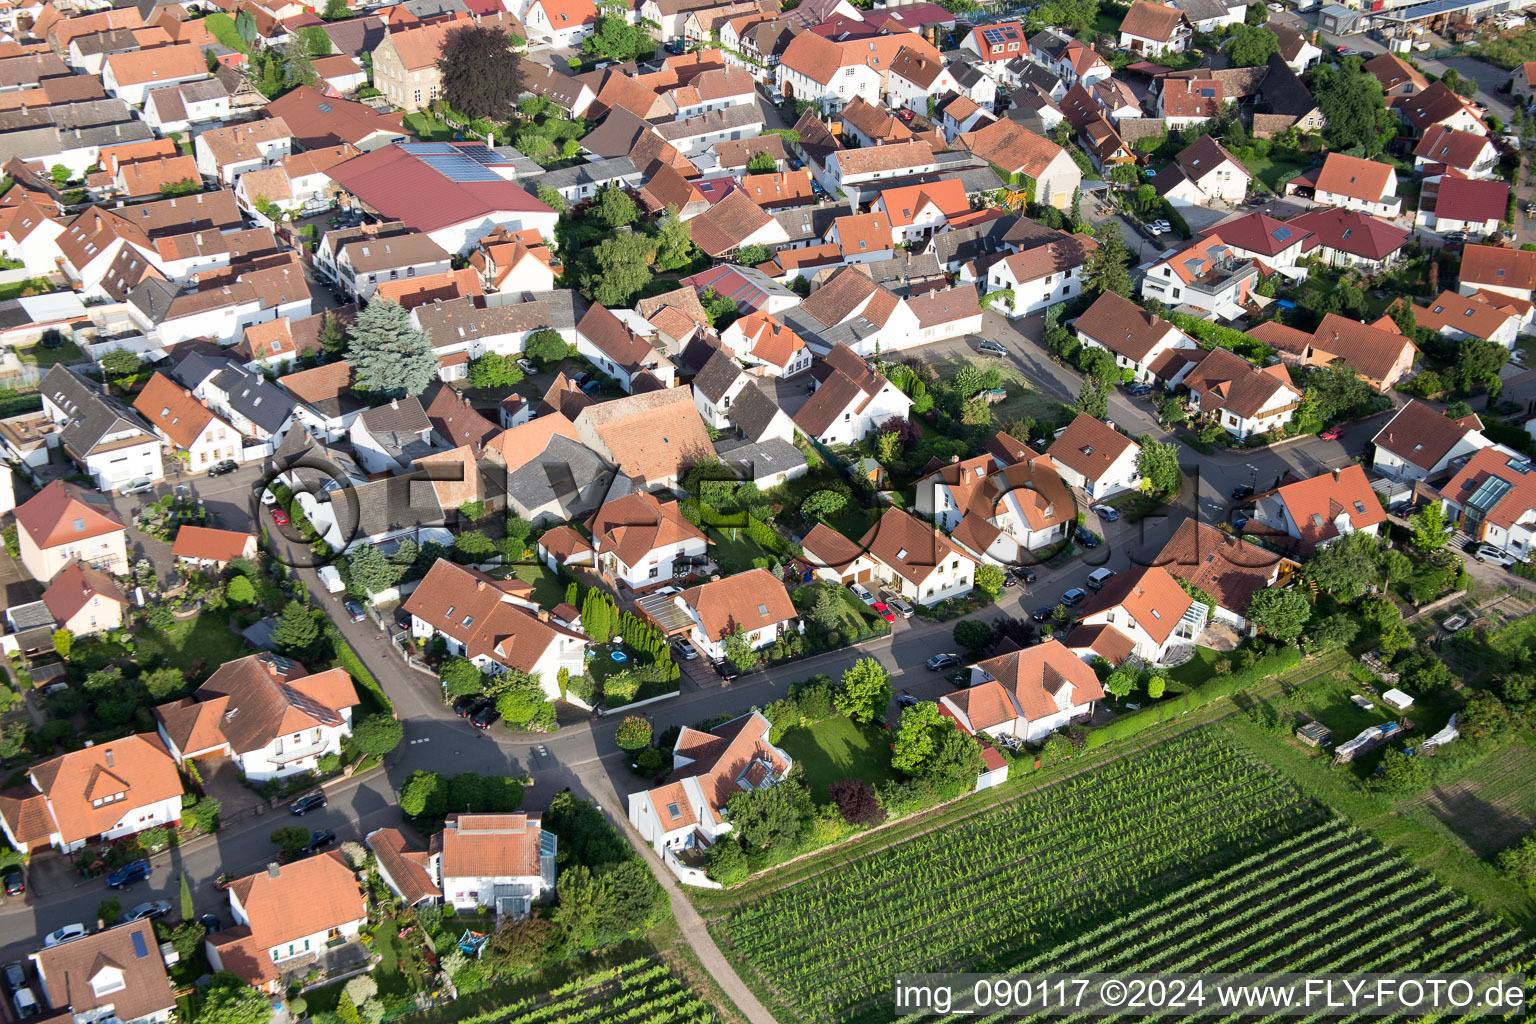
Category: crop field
[643,991]
[1189,856]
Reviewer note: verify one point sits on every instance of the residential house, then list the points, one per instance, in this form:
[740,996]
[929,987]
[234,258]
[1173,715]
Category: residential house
[106,791]
[1481,315]
[1096,457]
[1489,268]
[1206,275]
[851,399]
[191,107]
[226,153]
[1353,183]
[687,811]
[267,713]
[1147,608]
[550,473]
[1072,61]
[131,76]
[505,861]
[322,122]
[1209,15]
[200,547]
[863,237]
[405,63]
[1026,161]
[1491,499]
[652,437]
[1154,29]
[611,345]
[860,173]
[1398,78]
[1444,149]
[1137,339]
[1188,101]
[1378,352]
[1346,238]
[643,543]
[716,386]
[1203,171]
[1467,205]
[561,23]
[1439,106]
[996,511]
[117,974]
[1025,695]
[1523,81]
[1422,441]
[1246,400]
[493,623]
[1042,275]
[997,43]
[187,425]
[917,212]
[1298,53]
[736,222]
[297,182]
[514,261]
[1321,509]
[1229,569]
[285,916]
[1258,236]
[914,79]
[85,601]
[915,560]
[390,438]
[30,234]
[760,341]
[98,433]
[751,604]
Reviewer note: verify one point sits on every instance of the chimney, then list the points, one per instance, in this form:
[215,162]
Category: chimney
[394,403]
[543,615]
[480,585]
[272,869]
[954,459]
[108,754]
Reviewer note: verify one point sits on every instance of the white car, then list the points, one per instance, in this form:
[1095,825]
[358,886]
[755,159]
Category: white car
[68,933]
[861,593]
[1490,554]
[897,605]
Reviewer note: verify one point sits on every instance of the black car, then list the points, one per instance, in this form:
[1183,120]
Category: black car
[485,717]
[15,976]
[1009,579]
[726,670]
[469,704]
[939,661]
[1086,538]
[1404,509]
[1044,612]
[15,884]
[906,701]
[318,841]
[306,803]
[210,923]
[1239,493]
[220,468]
[1023,573]
[355,610]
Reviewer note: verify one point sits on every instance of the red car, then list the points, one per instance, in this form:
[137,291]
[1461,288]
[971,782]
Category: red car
[906,115]
[1332,434]
[280,517]
[880,609]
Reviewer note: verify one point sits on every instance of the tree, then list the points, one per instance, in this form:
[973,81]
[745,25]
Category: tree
[377,734]
[1388,620]
[1171,410]
[752,255]
[613,208]
[1477,362]
[333,338]
[823,503]
[762,163]
[1093,398]
[520,945]
[1107,267]
[1403,772]
[109,911]
[917,737]
[424,794]
[494,371]
[245,26]
[1331,633]
[675,248]
[298,66]
[989,578]
[620,268]
[1345,567]
[717,307]
[771,817]
[336,10]
[188,908]
[551,197]
[973,634]
[187,937]
[240,590]
[371,570]
[633,734]
[1156,687]
[1519,862]
[1429,528]
[865,692]
[1282,614]
[1158,464]
[120,363]
[389,355]
[296,631]
[856,802]
[13,740]
[1334,389]
[481,72]
[1121,682]
[230,1000]
[522,702]
[739,650]
[1250,45]
[63,640]
[614,38]
[1351,100]
[290,838]
[460,676]
[546,347]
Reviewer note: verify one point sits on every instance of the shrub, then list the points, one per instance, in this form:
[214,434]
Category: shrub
[633,734]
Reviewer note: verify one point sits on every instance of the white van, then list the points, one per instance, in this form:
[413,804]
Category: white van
[1099,577]
[331,578]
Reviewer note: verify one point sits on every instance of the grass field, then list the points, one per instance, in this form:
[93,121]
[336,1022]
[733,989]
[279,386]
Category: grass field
[1279,167]
[836,748]
[548,591]
[196,646]
[43,357]
[1493,806]
[223,28]
[427,128]
[733,549]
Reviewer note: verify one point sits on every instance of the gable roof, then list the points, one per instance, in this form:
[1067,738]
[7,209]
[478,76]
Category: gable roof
[64,513]
[319,121]
[748,600]
[1471,200]
[490,845]
[1349,231]
[72,589]
[727,224]
[1392,72]
[653,436]
[474,609]
[1226,381]
[131,950]
[1422,435]
[1369,348]
[215,545]
[174,410]
[1090,447]
[1258,232]
[284,903]
[406,868]
[1451,147]
[637,524]
[1012,147]
[1497,484]
[908,545]
[1355,177]
[1034,676]
[1152,21]
[1150,596]
[1122,326]
[1228,568]
[1433,106]
[137,766]
[1315,503]
[1494,266]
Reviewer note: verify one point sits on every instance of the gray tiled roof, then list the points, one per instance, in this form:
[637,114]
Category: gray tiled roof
[92,414]
[264,403]
[599,172]
[756,461]
[964,244]
[753,412]
[717,375]
[566,480]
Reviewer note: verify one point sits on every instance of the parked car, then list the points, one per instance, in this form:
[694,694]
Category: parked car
[1135,390]
[1009,579]
[210,923]
[1099,577]
[151,911]
[220,468]
[1490,555]
[279,517]
[15,884]
[355,610]
[468,704]
[1075,596]
[133,871]
[1456,238]
[1023,573]
[1104,512]
[1332,434]
[137,486]
[485,717]
[25,1003]
[15,976]
[907,701]
[685,650]
[990,348]
[1404,509]
[1044,612]
[1086,538]
[862,593]
[726,669]
[68,933]
[941,661]
[1239,493]
[906,115]
[883,610]
[318,841]
[897,604]
[306,803]
[528,366]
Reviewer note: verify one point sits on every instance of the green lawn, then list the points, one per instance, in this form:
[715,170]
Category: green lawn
[855,615]
[548,591]
[428,128]
[733,549]
[43,358]
[835,748]
[1279,167]
[1196,670]
[196,646]
[223,28]
[14,289]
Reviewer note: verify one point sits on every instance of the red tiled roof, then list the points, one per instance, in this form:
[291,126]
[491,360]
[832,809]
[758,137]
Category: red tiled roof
[1150,596]
[215,545]
[1314,504]
[60,514]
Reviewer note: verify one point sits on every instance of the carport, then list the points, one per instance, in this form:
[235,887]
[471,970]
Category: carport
[665,614]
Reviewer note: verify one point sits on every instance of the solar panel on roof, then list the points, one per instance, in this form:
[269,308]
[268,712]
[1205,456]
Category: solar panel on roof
[428,148]
[1281,234]
[460,168]
[1488,494]
[140,950]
